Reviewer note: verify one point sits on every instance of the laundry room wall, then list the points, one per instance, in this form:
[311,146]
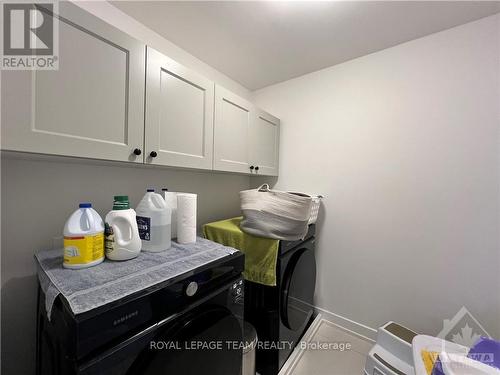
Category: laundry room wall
[404,145]
[39,193]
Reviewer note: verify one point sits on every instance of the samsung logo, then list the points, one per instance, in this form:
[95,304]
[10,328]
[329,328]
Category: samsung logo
[124,318]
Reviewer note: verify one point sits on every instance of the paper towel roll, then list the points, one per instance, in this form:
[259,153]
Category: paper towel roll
[171,200]
[186,218]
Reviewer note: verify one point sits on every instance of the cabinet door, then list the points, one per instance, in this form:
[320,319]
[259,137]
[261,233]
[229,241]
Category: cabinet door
[233,119]
[265,144]
[179,114]
[92,106]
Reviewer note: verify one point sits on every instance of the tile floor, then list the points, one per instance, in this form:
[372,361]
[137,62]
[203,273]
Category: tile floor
[333,362]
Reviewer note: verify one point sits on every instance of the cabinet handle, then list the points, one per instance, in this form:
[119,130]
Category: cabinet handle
[252,167]
[137,151]
[257,168]
[153,154]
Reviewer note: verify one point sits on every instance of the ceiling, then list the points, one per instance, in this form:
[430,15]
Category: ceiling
[261,43]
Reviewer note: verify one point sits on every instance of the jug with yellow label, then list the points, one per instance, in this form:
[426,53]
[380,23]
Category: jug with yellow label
[83,238]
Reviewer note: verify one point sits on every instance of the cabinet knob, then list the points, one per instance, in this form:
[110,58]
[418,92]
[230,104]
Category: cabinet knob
[252,167]
[257,168]
[137,151]
[153,154]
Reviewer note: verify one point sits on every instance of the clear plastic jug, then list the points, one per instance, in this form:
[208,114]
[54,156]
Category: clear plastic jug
[154,222]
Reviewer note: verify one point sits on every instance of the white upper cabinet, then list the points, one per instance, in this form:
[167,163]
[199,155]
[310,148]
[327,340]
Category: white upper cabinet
[179,114]
[113,99]
[92,106]
[246,139]
[264,155]
[233,120]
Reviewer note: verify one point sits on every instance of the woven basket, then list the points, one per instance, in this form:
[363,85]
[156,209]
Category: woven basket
[316,202]
[275,214]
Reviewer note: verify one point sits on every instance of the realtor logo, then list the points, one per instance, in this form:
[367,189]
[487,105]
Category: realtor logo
[462,329]
[28,36]
[27,30]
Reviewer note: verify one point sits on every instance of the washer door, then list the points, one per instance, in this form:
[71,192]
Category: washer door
[299,280]
[206,341]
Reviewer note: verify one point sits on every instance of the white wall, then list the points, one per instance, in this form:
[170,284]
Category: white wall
[404,144]
[37,197]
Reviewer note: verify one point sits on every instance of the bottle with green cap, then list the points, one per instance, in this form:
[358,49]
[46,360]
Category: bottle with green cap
[122,241]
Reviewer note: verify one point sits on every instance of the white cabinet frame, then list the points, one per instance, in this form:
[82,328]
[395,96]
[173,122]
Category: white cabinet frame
[23,93]
[183,117]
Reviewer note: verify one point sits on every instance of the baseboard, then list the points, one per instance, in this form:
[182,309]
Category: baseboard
[297,353]
[324,316]
[346,324]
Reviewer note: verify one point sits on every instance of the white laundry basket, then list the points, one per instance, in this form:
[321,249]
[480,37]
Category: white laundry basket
[275,214]
[315,204]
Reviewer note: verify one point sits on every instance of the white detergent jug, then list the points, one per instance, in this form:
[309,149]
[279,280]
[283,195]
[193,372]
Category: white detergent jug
[154,222]
[122,240]
[83,238]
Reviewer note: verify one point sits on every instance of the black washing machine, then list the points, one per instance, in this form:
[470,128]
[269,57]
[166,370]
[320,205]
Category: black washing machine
[190,324]
[282,313]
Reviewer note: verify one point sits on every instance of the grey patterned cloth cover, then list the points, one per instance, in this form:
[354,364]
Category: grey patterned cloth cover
[88,288]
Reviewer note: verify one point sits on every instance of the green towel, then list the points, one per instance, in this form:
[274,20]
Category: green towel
[261,254]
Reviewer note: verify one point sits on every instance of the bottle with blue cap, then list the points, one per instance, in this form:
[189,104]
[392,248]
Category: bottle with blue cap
[154,222]
[83,238]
